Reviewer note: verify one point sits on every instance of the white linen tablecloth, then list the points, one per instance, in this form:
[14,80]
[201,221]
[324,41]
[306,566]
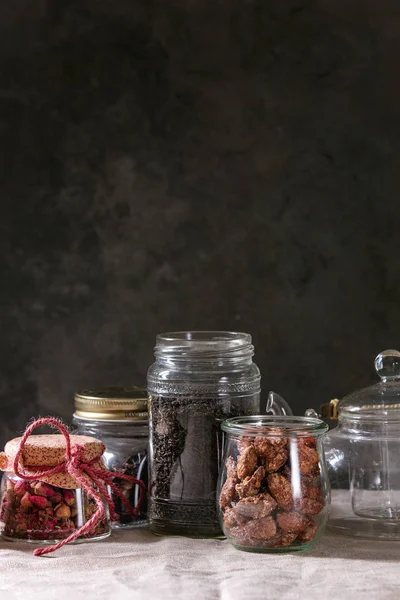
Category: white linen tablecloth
[135,565]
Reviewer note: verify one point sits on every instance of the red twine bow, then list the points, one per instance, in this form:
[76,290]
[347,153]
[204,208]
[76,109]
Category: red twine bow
[76,466]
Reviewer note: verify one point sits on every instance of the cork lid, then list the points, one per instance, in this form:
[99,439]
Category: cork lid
[46,451]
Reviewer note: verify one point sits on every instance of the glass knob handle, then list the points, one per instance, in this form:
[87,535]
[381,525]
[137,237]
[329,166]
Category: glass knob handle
[387,365]
[310,412]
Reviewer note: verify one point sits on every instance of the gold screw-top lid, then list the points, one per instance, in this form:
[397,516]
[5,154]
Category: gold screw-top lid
[112,404]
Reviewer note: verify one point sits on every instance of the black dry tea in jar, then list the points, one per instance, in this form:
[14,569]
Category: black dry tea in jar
[197,381]
[118,416]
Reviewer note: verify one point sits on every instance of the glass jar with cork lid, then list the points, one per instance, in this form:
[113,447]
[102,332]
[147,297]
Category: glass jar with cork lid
[53,489]
[118,416]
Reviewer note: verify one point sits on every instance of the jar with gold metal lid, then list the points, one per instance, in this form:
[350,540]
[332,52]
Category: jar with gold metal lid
[118,417]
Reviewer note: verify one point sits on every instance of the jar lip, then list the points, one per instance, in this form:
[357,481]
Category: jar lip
[266,426]
[203,338]
[204,343]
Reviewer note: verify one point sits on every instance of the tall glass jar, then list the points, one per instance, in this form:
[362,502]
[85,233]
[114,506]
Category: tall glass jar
[273,491]
[198,380]
[118,416]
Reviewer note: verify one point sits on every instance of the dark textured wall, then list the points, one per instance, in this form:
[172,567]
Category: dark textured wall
[200,164]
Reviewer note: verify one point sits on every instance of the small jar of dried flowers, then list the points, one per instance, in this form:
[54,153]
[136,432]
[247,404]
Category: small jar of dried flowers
[55,488]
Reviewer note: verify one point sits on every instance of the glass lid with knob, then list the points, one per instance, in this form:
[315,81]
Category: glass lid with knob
[378,401]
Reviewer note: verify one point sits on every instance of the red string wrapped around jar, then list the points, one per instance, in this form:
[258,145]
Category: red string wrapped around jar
[70,462]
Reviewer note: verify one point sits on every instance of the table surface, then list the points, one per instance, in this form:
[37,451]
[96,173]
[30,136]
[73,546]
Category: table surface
[137,565]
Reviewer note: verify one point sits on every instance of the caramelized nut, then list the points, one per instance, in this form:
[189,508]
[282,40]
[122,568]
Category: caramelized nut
[281,489]
[251,485]
[247,462]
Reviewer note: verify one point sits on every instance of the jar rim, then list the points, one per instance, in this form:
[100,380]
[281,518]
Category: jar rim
[204,344]
[266,426]
[207,338]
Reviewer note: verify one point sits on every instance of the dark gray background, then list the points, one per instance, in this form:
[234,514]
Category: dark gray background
[202,164]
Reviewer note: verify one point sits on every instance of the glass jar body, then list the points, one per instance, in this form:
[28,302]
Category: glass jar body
[273,489]
[192,389]
[126,451]
[363,459]
[40,512]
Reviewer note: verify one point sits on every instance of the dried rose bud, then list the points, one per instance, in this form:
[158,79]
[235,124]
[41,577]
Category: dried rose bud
[90,510]
[21,527]
[69,497]
[20,488]
[39,501]
[10,496]
[57,498]
[63,512]
[5,510]
[126,485]
[42,489]
[26,501]
[70,524]
[49,512]
[74,511]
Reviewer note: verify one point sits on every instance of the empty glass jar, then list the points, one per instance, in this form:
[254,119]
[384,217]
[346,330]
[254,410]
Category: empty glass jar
[197,381]
[273,490]
[363,456]
[118,416]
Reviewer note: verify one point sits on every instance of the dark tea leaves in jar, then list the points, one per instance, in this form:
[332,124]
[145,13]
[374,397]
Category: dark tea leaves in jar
[198,379]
